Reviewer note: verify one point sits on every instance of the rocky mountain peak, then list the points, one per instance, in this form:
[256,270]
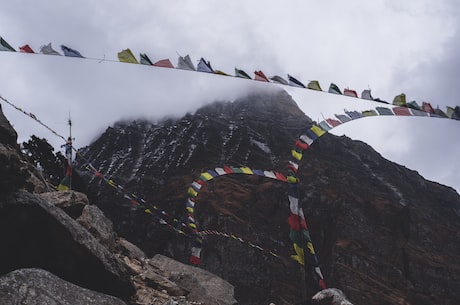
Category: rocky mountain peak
[369,218]
[382,233]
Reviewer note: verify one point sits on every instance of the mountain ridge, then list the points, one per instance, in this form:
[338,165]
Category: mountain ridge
[351,196]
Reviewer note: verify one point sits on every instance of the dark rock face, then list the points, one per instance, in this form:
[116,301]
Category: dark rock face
[14,170]
[39,234]
[8,135]
[382,233]
[38,287]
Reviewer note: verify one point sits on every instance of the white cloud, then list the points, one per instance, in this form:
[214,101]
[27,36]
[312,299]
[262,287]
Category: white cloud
[389,46]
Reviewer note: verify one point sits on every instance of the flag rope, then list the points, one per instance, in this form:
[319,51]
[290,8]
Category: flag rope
[143,204]
[126,56]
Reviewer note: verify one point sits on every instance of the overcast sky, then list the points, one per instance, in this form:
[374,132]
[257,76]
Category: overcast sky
[391,47]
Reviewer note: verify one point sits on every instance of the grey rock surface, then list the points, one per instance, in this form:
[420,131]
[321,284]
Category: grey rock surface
[203,286]
[38,287]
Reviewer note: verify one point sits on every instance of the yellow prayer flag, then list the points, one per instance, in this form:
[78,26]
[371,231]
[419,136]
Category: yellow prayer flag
[310,247]
[317,130]
[127,56]
[296,154]
[189,209]
[112,183]
[192,192]
[62,187]
[299,257]
[206,176]
[246,170]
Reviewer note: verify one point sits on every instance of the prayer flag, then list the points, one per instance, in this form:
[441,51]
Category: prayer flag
[195,256]
[48,50]
[324,126]
[314,85]
[294,82]
[317,130]
[349,92]
[127,56]
[384,111]
[296,222]
[5,46]
[294,204]
[414,105]
[306,139]
[270,174]
[292,165]
[333,123]
[366,94]
[165,63]
[26,49]
[70,52]
[343,118]
[297,155]
[401,111]
[185,63]
[279,80]
[64,185]
[427,107]
[334,89]
[400,100]
[354,114]
[246,170]
[300,144]
[260,76]
[369,113]
[204,66]
[206,176]
[145,60]
[299,257]
[279,176]
[221,72]
[220,171]
[241,73]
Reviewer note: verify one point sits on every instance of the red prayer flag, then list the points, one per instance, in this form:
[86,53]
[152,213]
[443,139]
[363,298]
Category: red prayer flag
[165,63]
[301,145]
[295,221]
[26,49]
[350,92]
[259,75]
[228,170]
[427,107]
[280,176]
[401,111]
[333,123]
[195,260]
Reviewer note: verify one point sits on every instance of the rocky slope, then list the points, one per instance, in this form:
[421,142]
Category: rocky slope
[383,234]
[57,248]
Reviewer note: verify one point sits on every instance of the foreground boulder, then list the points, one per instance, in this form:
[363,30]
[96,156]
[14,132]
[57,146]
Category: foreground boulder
[330,296]
[202,285]
[38,287]
[36,233]
[71,202]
